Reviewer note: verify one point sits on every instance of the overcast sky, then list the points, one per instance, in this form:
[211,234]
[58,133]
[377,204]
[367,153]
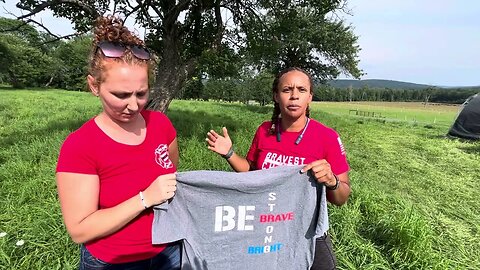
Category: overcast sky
[427,41]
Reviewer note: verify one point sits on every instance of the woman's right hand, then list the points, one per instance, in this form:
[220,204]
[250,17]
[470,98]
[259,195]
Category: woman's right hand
[160,190]
[218,143]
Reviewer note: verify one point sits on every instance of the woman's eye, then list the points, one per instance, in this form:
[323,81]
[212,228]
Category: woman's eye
[122,96]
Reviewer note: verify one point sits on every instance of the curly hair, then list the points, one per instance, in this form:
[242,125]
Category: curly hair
[276,107]
[111,29]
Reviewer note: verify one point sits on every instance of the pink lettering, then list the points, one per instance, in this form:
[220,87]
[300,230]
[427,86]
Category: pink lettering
[276,218]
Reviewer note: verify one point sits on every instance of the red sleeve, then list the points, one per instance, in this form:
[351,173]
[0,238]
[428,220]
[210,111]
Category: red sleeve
[164,125]
[170,130]
[252,152]
[336,155]
[75,156]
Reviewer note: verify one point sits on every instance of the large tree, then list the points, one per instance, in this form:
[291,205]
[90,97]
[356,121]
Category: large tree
[268,34]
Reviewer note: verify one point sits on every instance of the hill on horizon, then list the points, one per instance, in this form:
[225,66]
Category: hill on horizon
[379,83]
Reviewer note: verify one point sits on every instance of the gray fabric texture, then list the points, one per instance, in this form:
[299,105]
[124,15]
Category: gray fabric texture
[266,219]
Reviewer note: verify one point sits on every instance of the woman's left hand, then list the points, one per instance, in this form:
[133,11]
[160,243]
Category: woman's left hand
[322,171]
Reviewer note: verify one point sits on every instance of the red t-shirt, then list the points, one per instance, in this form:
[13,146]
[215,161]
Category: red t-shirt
[124,171]
[318,142]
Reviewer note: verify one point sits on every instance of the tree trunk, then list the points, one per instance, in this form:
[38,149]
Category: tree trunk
[49,82]
[171,75]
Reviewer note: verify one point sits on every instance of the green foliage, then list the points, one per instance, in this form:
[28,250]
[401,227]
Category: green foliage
[365,93]
[24,65]
[303,36]
[415,194]
[261,88]
[74,63]
[20,29]
[31,58]
[193,88]
[224,63]
[257,88]
[220,90]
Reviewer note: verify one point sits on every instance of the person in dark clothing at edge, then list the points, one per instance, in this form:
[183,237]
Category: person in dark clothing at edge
[293,138]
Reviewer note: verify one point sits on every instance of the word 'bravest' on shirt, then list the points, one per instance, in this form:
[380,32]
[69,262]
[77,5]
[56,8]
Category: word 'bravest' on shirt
[264,219]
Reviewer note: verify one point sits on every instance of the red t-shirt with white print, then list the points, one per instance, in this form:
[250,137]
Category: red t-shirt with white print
[318,142]
[123,171]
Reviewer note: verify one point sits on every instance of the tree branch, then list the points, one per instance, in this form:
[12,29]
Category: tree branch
[172,15]
[41,26]
[144,10]
[42,6]
[32,21]
[155,8]
[220,27]
[132,10]
[57,38]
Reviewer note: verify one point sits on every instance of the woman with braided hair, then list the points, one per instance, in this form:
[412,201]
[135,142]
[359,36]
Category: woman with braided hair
[293,138]
[120,163]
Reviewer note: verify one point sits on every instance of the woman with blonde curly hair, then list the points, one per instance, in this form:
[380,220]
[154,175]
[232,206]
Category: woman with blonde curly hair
[120,163]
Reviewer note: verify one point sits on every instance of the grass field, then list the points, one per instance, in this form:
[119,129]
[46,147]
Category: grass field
[415,201]
[414,112]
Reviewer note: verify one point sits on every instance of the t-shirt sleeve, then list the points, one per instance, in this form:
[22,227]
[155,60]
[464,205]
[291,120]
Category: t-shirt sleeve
[336,154]
[252,152]
[167,127]
[75,156]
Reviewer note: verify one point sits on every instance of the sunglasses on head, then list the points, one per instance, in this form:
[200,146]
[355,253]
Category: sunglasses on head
[116,50]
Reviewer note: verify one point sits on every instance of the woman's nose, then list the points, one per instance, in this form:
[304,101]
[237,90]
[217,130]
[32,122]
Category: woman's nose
[132,103]
[294,94]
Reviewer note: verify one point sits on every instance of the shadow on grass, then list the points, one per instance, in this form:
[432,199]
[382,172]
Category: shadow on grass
[470,147]
[188,124]
[196,124]
[26,137]
[252,108]
[474,148]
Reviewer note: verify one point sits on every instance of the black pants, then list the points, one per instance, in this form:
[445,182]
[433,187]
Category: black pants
[324,255]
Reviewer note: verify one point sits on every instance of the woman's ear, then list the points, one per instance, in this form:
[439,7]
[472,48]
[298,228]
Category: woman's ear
[92,85]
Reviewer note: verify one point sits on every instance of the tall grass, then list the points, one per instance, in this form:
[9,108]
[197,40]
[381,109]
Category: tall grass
[415,193]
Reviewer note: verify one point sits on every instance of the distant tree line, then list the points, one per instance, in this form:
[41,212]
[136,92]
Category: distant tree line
[258,88]
[431,94]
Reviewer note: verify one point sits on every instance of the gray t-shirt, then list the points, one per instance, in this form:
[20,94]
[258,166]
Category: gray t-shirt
[264,219]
